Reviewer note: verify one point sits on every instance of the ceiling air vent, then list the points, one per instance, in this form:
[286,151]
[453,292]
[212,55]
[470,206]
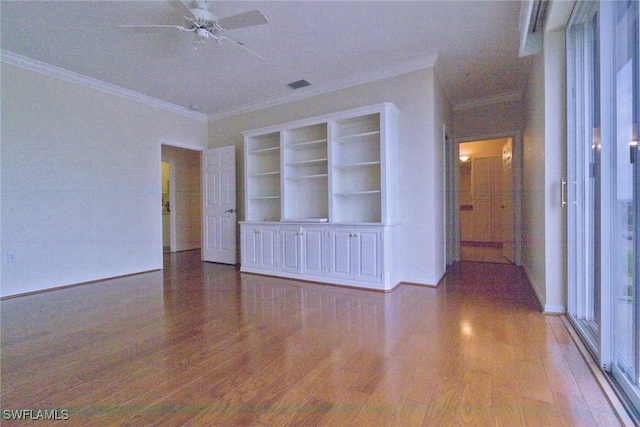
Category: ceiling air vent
[299,84]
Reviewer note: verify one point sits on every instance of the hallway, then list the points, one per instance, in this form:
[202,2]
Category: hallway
[201,343]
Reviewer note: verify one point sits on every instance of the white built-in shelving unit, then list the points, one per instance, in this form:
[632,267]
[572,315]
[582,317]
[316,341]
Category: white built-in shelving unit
[306,173]
[262,182]
[320,198]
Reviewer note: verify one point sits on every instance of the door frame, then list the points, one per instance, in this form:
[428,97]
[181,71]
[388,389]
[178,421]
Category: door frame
[176,144]
[453,200]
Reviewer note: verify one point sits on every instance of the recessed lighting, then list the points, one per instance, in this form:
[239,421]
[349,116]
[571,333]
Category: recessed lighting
[194,107]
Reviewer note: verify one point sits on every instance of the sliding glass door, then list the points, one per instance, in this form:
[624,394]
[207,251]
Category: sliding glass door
[583,171]
[603,183]
[626,324]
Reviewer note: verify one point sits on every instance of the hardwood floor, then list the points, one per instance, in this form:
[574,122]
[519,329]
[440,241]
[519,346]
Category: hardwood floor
[202,344]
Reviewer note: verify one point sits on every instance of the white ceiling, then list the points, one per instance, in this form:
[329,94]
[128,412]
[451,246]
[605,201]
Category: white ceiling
[328,43]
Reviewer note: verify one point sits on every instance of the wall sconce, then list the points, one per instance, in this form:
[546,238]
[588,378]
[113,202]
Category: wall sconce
[464,158]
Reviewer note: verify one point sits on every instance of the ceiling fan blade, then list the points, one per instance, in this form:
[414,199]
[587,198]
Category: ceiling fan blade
[152,28]
[179,4]
[242,46]
[247,19]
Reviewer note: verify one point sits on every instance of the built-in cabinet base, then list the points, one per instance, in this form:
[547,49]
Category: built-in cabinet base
[358,255]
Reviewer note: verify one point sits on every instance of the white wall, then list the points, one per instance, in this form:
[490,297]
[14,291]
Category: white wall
[488,120]
[185,165]
[555,170]
[80,181]
[544,242]
[533,180]
[442,119]
[420,175]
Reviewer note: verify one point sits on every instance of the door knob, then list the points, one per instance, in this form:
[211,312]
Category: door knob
[230,211]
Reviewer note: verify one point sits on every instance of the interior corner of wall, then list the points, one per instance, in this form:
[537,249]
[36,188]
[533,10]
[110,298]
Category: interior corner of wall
[536,288]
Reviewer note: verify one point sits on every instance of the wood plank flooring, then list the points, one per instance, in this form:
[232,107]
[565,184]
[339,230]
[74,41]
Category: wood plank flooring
[202,344]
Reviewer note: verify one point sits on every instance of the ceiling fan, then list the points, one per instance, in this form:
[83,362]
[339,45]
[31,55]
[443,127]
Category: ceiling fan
[205,25]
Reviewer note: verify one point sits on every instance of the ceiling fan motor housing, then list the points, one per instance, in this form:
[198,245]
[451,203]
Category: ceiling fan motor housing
[204,19]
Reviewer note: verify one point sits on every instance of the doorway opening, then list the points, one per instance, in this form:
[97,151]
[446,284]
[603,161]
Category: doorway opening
[486,200]
[168,226]
[180,203]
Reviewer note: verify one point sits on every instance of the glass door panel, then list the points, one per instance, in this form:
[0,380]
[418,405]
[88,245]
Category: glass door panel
[625,293]
[583,171]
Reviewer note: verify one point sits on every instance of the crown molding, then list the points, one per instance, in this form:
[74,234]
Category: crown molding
[490,100]
[321,89]
[314,90]
[72,77]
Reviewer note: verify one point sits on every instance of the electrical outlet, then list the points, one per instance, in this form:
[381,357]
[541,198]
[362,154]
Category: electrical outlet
[12,257]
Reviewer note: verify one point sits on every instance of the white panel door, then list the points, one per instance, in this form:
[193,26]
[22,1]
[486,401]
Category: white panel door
[482,220]
[219,205]
[481,182]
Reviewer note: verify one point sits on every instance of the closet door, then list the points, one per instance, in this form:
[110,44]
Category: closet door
[482,199]
[497,207]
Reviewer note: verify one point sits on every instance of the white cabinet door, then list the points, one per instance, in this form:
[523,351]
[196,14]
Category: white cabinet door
[250,242]
[356,254]
[269,248]
[315,250]
[368,250]
[342,253]
[291,250]
[260,247]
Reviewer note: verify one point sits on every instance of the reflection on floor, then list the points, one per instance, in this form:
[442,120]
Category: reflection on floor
[202,344]
[479,252]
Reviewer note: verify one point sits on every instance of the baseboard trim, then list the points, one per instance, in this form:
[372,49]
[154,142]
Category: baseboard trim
[420,285]
[73,285]
[554,310]
[335,284]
